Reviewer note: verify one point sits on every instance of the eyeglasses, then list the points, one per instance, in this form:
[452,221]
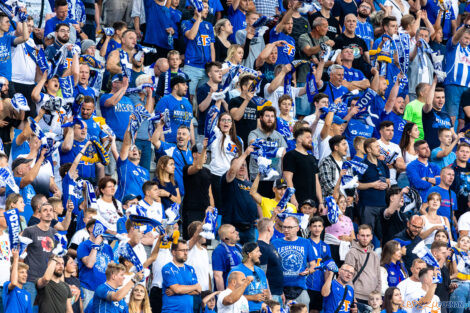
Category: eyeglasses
[226,120]
[347,272]
[289,227]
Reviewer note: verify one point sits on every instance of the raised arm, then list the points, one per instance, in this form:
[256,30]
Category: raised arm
[14,270]
[36,93]
[114,99]
[459,33]
[237,293]
[44,280]
[199,162]
[295,6]
[237,163]
[254,190]
[279,79]
[393,94]
[126,142]
[192,33]
[31,175]
[429,100]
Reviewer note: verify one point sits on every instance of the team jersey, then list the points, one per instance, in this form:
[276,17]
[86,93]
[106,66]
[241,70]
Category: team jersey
[131,177]
[181,113]
[457,65]
[198,50]
[331,303]
[285,53]
[117,116]
[175,275]
[366,32]
[237,19]
[321,252]
[17,300]
[353,75]
[181,157]
[85,169]
[398,124]
[103,305]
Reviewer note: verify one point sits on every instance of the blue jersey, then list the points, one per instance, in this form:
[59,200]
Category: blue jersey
[160,18]
[333,92]
[181,157]
[15,149]
[398,124]
[181,114]
[225,257]
[238,20]
[366,32]
[321,252]
[27,193]
[331,303]
[198,50]
[357,127]
[117,116]
[457,65]
[352,75]
[257,286]
[442,162]
[432,8]
[91,278]
[85,169]
[17,300]
[112,45]
[101,303]
[71,191]
[131,177]
[88,91]
[285,53]
[277,235]
[214,7]
[94,129]
[52,23]
[6,41]
[296,256]
[174,275]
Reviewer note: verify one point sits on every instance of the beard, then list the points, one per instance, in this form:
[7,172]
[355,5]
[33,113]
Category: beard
[58,274]
[180,260]
[361,15]
[62,40]
[267,128]
[307,146]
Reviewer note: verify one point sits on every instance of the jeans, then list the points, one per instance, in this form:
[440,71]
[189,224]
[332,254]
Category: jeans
[277,298]
[453,94]
[303,298]
[460,295]
[87,296]
[146,149]
[31,288]
[302,106]
[197,76]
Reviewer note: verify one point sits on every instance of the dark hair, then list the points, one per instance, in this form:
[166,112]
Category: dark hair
[3,15]
[461,145]
[232,134]
[385,124]
[316,219]
[335,141]
[424,271]
[439,89]
[389,248]
[102,184]
[174,246]
[420,87]
[319,96]
[88,99]
[297,307]
[438,244]
[90,223]
[405,137]
[267,109]
[300,131]
[64,169]
[419,143]
[386,20]
[148,185]
[284,98]
[394,190]
[119,25]
[368,142]
[388,304]
[209,66]
[58,26]
[245,80]
[192,228]
[60,3]
[442,231]
[441,130]
[36,201]
[364,226]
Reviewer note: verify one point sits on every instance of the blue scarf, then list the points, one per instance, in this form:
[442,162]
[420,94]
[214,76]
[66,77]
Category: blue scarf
[312,88]
[333,210]
[99,228]
[285,198]
[127,252]
[396,273]
[210,224]
[141,115]
[126,67]
[233,254]
[211,123]
[12,218]
[38,56]
[7,177]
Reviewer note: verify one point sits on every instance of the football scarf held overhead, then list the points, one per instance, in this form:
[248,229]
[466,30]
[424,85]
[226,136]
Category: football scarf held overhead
[290,191]
[19,102]
[425,254]
[302,218]
[141,115]
[12,218]
[210,224]
[211,123]
[126,67]
[333,210]
[128,253]
[312,88]
[7,177]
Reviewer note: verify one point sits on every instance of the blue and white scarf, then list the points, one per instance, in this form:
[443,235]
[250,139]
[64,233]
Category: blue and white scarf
[141,115]
[312,88]
[424,253]
[211,123]
[126,251]
[290,191]
[19,102]
[210,224]
[126,66]
[233,253]
[7,177]
[333,210]
[12,218]
[302,218]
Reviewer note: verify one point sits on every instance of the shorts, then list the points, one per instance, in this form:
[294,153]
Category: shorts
[316,300]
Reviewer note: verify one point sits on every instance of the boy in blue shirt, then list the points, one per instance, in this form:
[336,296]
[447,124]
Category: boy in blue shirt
[334,292]
[14,297]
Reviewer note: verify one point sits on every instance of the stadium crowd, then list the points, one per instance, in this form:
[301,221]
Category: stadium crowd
[234,156]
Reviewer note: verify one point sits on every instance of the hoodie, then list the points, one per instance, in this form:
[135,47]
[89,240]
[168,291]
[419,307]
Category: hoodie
[370,279]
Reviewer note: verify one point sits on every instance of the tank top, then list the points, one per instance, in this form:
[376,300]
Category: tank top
[427,225]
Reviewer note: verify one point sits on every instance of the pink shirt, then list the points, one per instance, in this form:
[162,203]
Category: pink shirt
[343,227]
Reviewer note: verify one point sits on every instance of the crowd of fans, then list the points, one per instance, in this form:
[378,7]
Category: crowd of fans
[234,156]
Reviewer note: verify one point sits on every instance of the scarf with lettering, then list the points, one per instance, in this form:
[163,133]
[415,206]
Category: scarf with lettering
[302,218]
[424,253]
[38,56]
[12,218]
[210,224]
[211,123]
[126,251]
[19,102]
[396,273]
[7,177]
[141,115]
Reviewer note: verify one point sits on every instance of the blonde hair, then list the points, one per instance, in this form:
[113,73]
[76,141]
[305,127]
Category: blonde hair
[12,199]
[231,51]
[218,26]
[142,79]
[22,265]
[144,305]
[114,268]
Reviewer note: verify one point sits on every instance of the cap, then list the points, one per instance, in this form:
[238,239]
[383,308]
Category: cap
[280,183]
[338,120]
[87,43]
[117,77]
[309,202]
[249,247]
[178,79]
[19,161]
[129,198]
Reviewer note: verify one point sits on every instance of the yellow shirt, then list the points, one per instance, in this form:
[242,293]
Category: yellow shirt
[268,205]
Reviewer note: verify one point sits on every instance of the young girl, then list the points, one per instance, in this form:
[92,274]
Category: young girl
[285,122]
[432,221]
[139,300]
[165,176]
[16,201]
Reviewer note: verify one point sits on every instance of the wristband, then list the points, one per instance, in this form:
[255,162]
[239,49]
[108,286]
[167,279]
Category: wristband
[95,246]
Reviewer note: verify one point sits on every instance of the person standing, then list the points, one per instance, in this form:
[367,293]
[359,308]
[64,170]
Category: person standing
[414,109]
[232,300]
[461,183]
[338,294]
[14,297]
[426,295]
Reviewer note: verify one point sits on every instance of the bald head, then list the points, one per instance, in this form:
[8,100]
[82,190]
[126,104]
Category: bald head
[235,279]
[161,66]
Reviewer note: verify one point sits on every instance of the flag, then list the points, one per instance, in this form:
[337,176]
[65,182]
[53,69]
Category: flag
[173,214]
[424,253]
[328,265]
[7,177]
[99,228]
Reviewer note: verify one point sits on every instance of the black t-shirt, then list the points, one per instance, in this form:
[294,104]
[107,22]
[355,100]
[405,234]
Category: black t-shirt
[372,196]
[305,169]
[465,102]
[238,207]
[333,24]
[461,187]
[359,46]
[220,50]
[392,226]
[442,289]
[74,281]
[196,190]
[201,95]
[248,121]
[271,263]
[300,27]
[341,9]
[53,297]
[432,122]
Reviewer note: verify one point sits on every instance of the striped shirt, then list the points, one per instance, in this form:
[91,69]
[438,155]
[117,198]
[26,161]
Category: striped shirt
[457,65]
[366,32]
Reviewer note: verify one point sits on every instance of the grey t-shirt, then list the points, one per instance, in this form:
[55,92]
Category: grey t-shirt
[53,297]
[256,45]
[276,162]
[304,41]
[39,250]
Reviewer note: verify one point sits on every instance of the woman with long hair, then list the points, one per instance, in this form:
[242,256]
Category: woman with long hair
[109,208]
[226,146]
[461,272]
[410,134]
[393,301]
[139,301]
[432,221]
[16,201]
[222,29]
[234,58]
[392,269]
[165,177]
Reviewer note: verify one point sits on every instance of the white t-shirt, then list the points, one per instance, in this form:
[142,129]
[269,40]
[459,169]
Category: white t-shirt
[241,306]
[79,237]
[109,212]
[407,288]
[433,307]
[199,259]
[464,222]
[309,119]
[153,211]
[24,70]
[42,181]
[274,97]
[163,258]
[396,11]
[5,257]
[392,148]
[221,158]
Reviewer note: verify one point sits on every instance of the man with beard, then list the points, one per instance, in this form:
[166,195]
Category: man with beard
[410,237]
[364,29]
[421,173]
[349,39]
[301,169]
[433,116]
[54,294]
[40,250]
[330,166]
[86,113]
[333,290]
[257,291]
[267,131]
[131,176]
[62,37]
[179,281]
[393,221]
[282,31]
[461,183]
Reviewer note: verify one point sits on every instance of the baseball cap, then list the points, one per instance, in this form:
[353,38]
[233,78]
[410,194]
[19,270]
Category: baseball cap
[19,161]
[280,183]
[178,79]
[130,197]
[338,120]
[309,202]
[117,77]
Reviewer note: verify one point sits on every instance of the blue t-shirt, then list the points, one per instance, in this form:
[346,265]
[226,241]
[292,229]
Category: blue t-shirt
[85,169]
[6,41]
[103,305]
[52,22]
[181,113]
[117,116]
[88,91]
[321,252]
[257,286]
[444,209]
[27,193]
[296,256]
[112,45]
[221,259]
[442,162]
[18,150]
[131,177]
[331,303]
[398,125]
[432,8]
[159,17]
[175,16]
[198,50]
[357,127]
[238,20]
[333,92]
[181,157]
[174,275]
[366,32]
[285,53]
[94,129]
[352,75]
[91,278]
[18,300]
